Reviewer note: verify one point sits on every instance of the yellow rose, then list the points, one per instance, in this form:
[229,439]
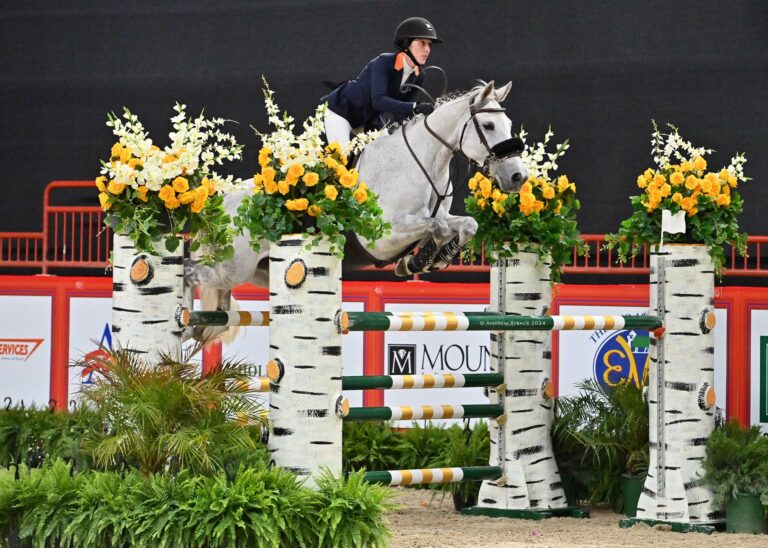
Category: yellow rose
[481,203]
[210,185]
[141,193]
[538,205]
[677,198]
[706,186]
[485,188]
[115,188]
[265,156]
[166,193]
[310,178]
[547,191]
[331,163]
[343,159]
[693,211]
[495,194]
[173,203]
[648,174]
[314,210]
[104,201]
[125,155]
[725,189]
[498,208]
[732,181]
[724,174]
[201,192]
[258,181]
[117,148]
[562,184]
[722,200]
[641,182]
[348,180]
[665,190]
[528,187]
[686,166]
[360,195]
[296,170]
[472,184]
[699,163]
[331,192]
[283,187]
[299,204]
[180,184]
[187,197]
[659,179]
[268,173]
[133,163]
[687,203]
[558,207]
[270,186]
[168,158]
[691,182]
[101,183]
[197,206]
[291,180]
[676,178]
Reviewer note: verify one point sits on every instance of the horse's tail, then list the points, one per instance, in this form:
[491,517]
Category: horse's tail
[209,300]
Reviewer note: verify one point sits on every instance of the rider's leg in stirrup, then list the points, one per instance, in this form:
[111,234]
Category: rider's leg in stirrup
[337,129]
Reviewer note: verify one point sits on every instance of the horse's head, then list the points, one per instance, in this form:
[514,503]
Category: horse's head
[491,144]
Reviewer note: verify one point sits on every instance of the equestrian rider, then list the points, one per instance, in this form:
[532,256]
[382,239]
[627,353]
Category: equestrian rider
[357,105]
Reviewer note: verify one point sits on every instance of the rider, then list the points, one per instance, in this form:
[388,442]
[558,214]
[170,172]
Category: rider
[358,104]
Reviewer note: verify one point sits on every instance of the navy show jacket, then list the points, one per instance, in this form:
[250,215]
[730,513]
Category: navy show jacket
[375,91]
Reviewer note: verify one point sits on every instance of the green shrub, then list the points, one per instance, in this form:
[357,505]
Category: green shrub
[370,445]
[737,462]
[50,506]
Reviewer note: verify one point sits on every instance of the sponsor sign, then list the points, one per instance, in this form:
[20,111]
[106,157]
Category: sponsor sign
[25,349]
[611,356]
[427,352]
[90,335]
[758,360]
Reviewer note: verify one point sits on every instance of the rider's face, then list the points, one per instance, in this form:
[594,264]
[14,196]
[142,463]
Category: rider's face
[420,48]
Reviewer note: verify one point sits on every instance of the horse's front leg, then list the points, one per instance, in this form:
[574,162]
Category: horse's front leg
[432,234]
[464,229]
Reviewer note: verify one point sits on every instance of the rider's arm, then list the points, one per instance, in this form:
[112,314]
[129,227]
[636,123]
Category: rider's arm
[379,99]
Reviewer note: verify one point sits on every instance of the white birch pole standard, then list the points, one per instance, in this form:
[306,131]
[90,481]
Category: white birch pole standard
[521,444]
[305,403]
[681,396]
[146,291]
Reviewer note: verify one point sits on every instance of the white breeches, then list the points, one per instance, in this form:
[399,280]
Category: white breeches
[337,129]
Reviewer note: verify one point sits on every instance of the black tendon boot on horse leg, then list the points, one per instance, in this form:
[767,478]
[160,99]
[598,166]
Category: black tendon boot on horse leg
[446,255]
[416,264]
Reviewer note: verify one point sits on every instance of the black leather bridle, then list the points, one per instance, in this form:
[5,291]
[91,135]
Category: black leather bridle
[505,149]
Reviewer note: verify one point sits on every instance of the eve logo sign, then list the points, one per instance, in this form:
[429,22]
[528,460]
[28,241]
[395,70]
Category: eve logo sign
[402,359]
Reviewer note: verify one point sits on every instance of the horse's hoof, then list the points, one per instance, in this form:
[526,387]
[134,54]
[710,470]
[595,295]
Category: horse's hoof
[401,268]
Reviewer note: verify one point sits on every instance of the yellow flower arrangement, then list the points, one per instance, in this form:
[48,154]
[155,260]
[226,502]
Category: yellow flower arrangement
[681,182]
[540,218]
[302,185]
[153,194]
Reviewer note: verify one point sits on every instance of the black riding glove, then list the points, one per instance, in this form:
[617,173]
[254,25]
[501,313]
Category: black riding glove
[423,108]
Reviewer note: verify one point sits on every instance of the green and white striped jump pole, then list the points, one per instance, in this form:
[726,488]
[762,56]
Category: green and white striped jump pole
[397,382]
[423,412]
[433,475]
[450,321]
[231,318]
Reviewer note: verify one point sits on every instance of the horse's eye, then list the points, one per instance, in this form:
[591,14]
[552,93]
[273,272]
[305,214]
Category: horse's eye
[489,126]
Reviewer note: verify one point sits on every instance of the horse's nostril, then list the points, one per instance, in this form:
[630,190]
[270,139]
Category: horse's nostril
[517,177]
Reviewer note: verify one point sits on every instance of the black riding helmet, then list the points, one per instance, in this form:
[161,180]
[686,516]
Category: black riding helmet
[413,28]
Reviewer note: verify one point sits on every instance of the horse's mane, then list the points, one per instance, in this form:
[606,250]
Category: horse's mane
[449,97]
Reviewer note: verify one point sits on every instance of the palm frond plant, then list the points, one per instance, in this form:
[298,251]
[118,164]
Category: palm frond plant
[600,435]
[464,447]
[160,415]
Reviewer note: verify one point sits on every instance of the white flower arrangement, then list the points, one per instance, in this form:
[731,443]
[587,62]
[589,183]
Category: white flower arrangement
[537,159]
[152,194]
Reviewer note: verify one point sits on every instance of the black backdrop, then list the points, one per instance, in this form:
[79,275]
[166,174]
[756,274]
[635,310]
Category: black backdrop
[597,71]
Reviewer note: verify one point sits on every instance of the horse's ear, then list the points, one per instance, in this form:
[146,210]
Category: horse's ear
[485,93]
[502,93]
